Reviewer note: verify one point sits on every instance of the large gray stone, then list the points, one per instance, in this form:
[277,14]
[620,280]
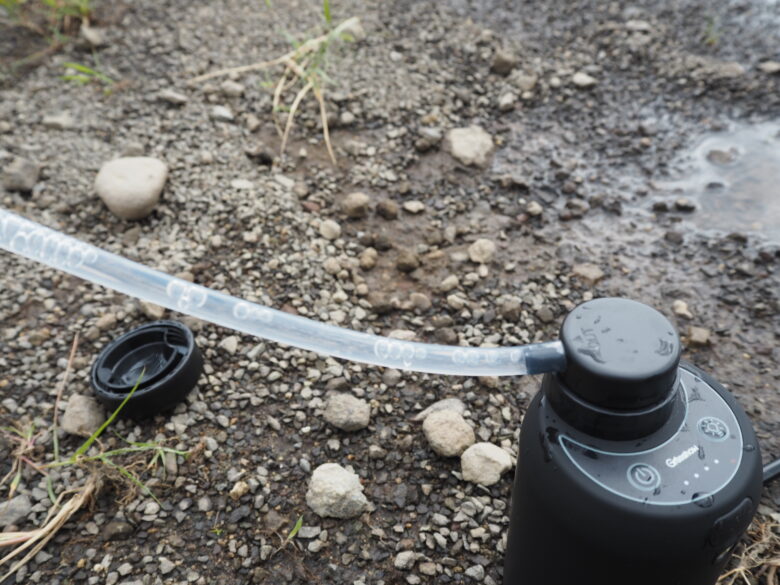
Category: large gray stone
[484,463]
[83,416]
[335,492]
[21,175]
[448,433]
[470,146]
[347,412]
[14,510]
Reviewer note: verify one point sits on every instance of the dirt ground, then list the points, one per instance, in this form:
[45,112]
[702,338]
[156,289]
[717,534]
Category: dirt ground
[596,158]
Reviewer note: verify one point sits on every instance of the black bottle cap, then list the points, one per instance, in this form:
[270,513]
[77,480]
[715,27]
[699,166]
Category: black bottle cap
[620,354]
[165,352]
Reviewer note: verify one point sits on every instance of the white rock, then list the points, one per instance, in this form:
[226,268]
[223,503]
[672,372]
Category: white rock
[166,565]
[172,97]
[454,404]
[329,229]
[680,308]
[347,412]
[152,310]
[368,258]
[484,463]
[449,283]
[240,488]
[414,207]
[476,572]
[588,272]
[770,67]
[242,184]
[21,175]
[582,79]
[699,336]
[405,560]
[229,344]
[482,251]
[83,416]
[14,510]
[232,88]
[470,146]
[355,205]
[222,113]
[335,492]
[507,101]
[534,208]
[61,121]
[131,186]
[448,433]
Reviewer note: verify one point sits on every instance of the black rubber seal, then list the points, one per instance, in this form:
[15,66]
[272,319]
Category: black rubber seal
[165,352]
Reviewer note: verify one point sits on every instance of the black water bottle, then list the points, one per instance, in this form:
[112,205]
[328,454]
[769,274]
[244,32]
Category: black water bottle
[634,468]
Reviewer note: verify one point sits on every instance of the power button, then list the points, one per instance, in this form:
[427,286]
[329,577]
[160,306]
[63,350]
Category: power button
[643,477]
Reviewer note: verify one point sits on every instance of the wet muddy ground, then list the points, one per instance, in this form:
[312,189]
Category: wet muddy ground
[662,173]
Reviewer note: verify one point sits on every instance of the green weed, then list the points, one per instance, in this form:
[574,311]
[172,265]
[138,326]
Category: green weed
[712,32]
[98,462]
[49,17]
[305,70]
[82,74]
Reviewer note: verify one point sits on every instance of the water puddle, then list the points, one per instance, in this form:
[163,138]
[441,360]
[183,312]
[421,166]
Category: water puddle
[734,178]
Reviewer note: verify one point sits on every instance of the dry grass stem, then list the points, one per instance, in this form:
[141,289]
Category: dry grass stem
[309,46]
[759,562]
[298,62]
[35,540]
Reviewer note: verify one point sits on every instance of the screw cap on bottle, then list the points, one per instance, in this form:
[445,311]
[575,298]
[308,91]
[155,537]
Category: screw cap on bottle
[620,354]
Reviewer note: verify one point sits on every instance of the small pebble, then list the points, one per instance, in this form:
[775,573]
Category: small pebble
[583,80]
[329,229]
[680,308]
[482,251]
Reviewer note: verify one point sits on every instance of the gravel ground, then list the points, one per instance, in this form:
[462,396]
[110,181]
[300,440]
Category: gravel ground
[598,105]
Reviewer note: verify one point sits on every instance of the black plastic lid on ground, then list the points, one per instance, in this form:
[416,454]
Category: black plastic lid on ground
[171,363]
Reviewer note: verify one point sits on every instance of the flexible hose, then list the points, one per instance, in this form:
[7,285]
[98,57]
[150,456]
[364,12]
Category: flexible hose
[771,471]
[47,246]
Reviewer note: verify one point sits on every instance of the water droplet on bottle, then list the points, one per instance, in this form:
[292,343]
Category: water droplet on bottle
[749,448]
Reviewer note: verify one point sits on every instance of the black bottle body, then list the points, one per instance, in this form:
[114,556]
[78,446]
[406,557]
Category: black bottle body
[574,522]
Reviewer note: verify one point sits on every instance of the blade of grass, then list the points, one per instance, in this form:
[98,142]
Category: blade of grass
[277,99]
[93,437]
[50,490]
[326,12]
[324,117]
[296,528]
[291,116]
[88,71]
[126,473]
[60,388]
[14,484]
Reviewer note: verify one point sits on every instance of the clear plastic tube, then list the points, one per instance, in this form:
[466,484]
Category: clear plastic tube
[31,240]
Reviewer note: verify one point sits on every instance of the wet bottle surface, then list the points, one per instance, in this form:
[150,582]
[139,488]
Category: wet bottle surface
[633,467]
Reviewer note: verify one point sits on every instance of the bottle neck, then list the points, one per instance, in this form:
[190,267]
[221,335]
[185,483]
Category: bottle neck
[603,423]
